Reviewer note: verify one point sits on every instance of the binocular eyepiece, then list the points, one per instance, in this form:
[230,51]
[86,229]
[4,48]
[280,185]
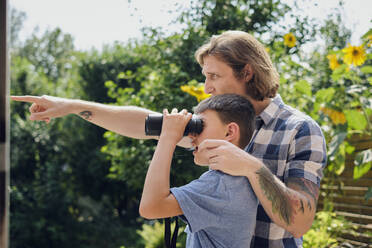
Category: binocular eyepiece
[154,122]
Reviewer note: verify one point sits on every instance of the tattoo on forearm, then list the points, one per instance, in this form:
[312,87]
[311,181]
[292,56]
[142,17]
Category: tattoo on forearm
[275,193]
[307,187]
[286,202]
[86,114]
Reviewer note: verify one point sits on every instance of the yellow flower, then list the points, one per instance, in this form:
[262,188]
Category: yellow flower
[354,55]
[197,91]
[336,116]
[289,40]
[333,63]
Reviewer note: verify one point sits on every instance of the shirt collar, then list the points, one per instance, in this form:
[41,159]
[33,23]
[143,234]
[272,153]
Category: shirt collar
[272,110]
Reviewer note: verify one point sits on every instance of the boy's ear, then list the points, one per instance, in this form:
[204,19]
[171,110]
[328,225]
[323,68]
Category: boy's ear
[233,133]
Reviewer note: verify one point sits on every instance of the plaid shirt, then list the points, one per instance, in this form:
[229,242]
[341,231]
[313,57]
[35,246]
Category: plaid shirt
[290,144]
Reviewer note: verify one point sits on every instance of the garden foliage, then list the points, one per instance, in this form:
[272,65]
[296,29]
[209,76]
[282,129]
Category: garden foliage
[76,185]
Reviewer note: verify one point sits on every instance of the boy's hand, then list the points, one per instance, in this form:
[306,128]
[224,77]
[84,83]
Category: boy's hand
[174,124]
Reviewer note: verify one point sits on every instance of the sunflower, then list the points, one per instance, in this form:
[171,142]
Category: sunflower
[197,91]
[335,116]
[333,62]
[354,55]
[289,40]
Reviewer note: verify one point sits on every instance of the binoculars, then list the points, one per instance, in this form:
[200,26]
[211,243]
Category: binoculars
[154,122]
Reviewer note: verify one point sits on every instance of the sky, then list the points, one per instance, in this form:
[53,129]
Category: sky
[94,23]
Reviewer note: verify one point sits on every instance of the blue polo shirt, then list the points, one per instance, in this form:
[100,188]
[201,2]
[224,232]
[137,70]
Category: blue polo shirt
[219,209]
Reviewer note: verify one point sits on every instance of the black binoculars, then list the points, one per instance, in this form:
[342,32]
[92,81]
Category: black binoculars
[154,122]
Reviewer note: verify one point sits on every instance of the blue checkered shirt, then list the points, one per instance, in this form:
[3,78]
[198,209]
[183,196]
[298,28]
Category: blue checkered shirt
[290,144]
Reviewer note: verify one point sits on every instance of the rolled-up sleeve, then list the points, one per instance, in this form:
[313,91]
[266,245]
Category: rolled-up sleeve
[307,153]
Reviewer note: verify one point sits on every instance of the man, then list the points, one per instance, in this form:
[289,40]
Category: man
[284,160]
[219,209]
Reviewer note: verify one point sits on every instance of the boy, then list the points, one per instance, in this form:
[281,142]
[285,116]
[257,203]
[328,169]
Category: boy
[220,209]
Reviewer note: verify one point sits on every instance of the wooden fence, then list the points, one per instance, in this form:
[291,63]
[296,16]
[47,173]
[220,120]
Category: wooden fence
[348,199]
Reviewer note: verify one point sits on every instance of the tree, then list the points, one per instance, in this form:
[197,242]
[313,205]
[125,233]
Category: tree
[17,19]
[60,194]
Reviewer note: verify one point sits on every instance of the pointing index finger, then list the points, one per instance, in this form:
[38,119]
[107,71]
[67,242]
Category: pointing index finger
[30,99]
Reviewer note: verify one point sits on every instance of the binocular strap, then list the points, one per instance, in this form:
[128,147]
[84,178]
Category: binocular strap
[170,243]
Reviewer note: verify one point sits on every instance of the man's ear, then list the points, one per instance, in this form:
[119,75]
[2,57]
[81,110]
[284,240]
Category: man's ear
[233,133]
[248,73]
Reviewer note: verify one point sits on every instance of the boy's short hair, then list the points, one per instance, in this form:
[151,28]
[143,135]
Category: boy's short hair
[232,108]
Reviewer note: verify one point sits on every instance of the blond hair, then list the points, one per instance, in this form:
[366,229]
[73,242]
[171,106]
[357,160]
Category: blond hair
[237,49]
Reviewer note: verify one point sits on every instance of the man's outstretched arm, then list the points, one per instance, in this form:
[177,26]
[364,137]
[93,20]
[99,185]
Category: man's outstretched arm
[128,121]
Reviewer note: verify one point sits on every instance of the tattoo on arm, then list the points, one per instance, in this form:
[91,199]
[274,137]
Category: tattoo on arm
[275,193]
[305,186]
[286,202]
[86,115]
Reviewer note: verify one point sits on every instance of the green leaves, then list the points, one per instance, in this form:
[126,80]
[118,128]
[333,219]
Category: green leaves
[54,166]
[355,119]
[336,153]
[303,87]
[326,228]
[363,163]
[153,235]
[325,95]
[340,72]
[368,194]
[366,69]
[336,142]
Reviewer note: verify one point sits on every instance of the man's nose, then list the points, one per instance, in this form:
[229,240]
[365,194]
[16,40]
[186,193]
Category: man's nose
[207,86]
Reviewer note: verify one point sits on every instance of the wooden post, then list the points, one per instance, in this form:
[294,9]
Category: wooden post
[4,125]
